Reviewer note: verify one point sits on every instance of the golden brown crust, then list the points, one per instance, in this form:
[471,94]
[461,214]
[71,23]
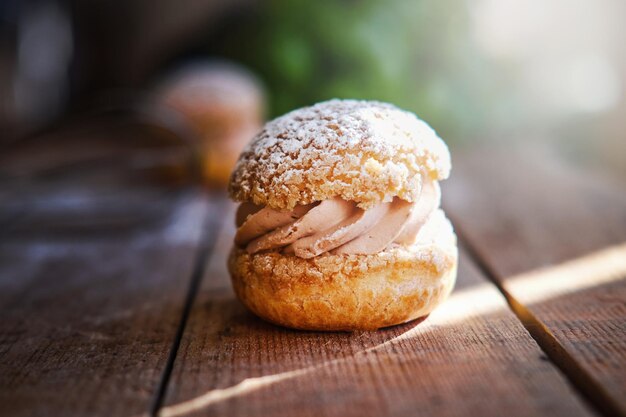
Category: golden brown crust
[362,151]
[347,292]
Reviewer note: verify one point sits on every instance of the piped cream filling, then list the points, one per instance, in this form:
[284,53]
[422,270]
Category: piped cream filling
[336,226]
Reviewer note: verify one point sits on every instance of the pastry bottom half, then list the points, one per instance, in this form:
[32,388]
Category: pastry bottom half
[348,292]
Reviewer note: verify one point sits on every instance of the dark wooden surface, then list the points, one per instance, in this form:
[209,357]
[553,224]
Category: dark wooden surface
[554,238]
[88,316]
[115,301]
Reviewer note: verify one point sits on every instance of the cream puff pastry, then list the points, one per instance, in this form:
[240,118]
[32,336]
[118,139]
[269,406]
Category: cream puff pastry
[339,226]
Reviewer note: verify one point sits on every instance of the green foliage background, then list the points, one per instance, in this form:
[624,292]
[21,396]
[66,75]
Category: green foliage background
[415,54]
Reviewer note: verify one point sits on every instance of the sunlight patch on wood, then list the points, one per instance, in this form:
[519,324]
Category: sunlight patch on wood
[246,386]
[598,268]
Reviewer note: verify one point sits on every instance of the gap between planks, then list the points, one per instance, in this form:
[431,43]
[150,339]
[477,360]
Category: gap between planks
[583,382]
[210,231]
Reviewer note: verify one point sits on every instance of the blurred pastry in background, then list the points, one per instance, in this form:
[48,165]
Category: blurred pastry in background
[224,103]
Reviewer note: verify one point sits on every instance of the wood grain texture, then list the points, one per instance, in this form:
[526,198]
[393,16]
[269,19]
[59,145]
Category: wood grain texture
[471,357]
[554,238]
[89,312]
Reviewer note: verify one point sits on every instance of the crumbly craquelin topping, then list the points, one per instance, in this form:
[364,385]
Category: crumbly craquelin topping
[363,151]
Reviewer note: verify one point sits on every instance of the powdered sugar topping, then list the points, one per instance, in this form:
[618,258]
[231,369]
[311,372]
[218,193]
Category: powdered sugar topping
[363,151]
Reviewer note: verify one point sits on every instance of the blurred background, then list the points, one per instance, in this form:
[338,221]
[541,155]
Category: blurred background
[476,70]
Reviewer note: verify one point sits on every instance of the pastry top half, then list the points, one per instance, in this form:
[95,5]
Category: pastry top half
[341,177]
[362,151]
[217,97]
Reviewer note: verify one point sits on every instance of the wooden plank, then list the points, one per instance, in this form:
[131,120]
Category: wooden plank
[553,236]
[89,311]
[471,357]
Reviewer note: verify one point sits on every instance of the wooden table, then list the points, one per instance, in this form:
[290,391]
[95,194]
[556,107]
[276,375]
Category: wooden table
[115,301]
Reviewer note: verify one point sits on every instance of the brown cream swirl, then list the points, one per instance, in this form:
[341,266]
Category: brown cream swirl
[336,226]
